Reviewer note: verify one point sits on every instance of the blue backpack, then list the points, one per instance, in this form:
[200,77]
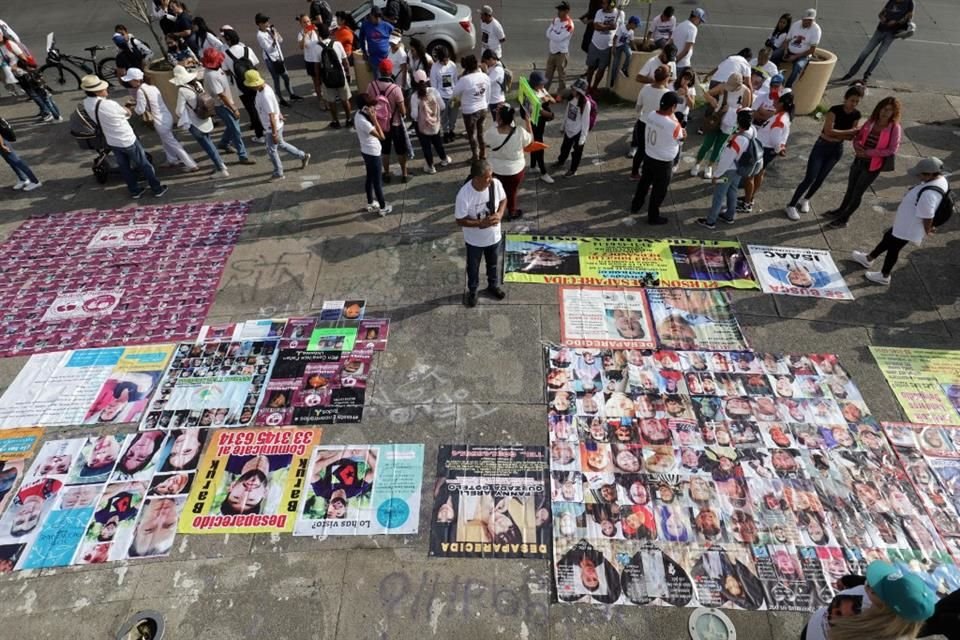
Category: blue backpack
[750,162]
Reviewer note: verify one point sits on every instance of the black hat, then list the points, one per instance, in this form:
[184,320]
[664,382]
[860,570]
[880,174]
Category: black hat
[669,100]
[563,6]
[260,18]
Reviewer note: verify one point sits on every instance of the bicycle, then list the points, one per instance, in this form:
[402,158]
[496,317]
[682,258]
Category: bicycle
[60,78]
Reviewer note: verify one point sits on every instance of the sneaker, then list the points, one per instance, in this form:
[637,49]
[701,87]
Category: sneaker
[373,207]
[727,220]
[284,103]
[546,177]
[792,213]
[334,125]
[495,292]
[744,207]
[258,139]
[294,96]
[804,205]
[247,161]
[695,171]
[277,178]
[445,162]
[470,299]
[877,276]
[429,169]
[861,258]
[223,173]
[386,210]
[632,152]
[30,186]
[706,224]
[137,195]
[833,213]
[839,223]
[163,190]
[305,160]
[48,118]
[708,174]
[20,185]
[570,174]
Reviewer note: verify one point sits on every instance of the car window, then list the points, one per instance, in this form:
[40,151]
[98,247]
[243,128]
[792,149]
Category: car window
[443,5]
[419,14]
[361,12]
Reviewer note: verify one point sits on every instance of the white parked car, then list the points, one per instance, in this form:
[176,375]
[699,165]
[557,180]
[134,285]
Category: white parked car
[436,23]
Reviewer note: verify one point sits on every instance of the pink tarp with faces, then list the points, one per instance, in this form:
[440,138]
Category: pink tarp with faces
[103,278]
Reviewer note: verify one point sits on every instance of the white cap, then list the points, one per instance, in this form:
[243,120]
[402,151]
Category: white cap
[132,74]
[810,14]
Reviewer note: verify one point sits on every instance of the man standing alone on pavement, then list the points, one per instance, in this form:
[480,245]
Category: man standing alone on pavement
[894,20]
[112,118]
[481,202]
[559,34]
[662,145]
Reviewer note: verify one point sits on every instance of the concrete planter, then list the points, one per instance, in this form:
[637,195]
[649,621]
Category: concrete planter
[809,89]
[628,88]
[363,72]
[160,78]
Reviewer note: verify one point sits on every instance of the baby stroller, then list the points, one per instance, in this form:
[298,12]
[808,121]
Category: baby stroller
[89,137]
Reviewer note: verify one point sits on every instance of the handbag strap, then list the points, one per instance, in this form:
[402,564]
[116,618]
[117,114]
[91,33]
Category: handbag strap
[505,140]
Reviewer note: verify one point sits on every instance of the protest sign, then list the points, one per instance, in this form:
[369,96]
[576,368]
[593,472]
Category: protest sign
[688,319]
[925,381]
[249,481]
[627,262]
[792,271]
[605,318]
[362,490]
[490,502]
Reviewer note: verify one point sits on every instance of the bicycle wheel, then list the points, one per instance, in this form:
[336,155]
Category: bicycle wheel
[60,78]
[107,69]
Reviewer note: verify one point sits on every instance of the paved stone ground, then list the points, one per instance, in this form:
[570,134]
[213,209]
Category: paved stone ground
[307,241]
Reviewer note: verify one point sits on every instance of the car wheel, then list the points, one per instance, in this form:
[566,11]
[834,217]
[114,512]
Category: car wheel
[440,45]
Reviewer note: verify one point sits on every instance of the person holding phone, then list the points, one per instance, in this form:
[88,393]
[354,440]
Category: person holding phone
[480,205]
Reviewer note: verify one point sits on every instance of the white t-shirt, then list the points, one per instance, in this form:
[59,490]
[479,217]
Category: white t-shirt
[148,97]
[576,121]
[311,45]
[604,39]
[683,107]
[270,45]
[818,627]
[908,223]
[662,29]
[775,131]
[9,31]
[399,58]
[732,64]
[495,73]
[735,102]
[733,149]
[215,82]
[685,32]
[648,100]
[800,39]
[369,143]
[472,89]
[187,100]
[237,51]
[113,121]
[651,65]
[491,33]
[662,137]
[770,68]
[266,103]
[559,34]
[473,205]
[508,160]
[443,77]
[623,36]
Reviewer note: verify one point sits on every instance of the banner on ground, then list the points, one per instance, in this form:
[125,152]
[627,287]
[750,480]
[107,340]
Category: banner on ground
[925,381]
[362,490]
[490,502]
[88,386]
[692,320]
[250,481]
[605,318]
[627,262]
[16,447]
[791,271]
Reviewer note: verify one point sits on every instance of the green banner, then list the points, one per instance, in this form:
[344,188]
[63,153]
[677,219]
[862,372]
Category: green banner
[925,381]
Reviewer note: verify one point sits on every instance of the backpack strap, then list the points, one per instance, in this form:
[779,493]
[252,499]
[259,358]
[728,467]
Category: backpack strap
[492,198]
[930,187]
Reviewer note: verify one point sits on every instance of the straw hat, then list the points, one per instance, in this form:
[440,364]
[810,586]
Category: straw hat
[93,83]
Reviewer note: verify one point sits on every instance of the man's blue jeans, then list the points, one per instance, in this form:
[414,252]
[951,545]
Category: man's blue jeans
[490,255]
[725,191]
[135,158]
[882,39]
[231,132]
[203,139]
[798,65]
[19,166]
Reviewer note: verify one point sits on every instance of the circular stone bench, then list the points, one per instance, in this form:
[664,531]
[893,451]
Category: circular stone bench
[809,89]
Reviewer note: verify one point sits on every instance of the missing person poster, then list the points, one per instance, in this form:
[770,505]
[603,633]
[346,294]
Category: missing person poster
[362,490]
[627,262]
[88,386]
[605,318]
[250,481]
[791,271]
[691,320]
[16,447]
[925,381]
[491,502]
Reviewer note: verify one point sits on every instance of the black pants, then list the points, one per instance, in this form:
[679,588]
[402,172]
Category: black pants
[656,174]
[891,245]
[568,144]
[537,157]
[491,256]
[823,157]
[249,104]
[639,141]
[858,182]
[429,144]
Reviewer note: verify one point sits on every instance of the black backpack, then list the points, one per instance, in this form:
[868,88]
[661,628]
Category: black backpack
[322,9]
[240,67]
[946,207]
[331,69]
[7,132]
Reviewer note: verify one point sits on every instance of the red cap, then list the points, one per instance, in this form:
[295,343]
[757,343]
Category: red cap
[385,68]
[212,59]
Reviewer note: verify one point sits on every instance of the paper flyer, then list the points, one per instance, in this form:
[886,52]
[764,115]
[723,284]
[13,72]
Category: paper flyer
[791,271]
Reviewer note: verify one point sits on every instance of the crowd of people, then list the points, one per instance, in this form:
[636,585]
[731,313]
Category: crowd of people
[418,95]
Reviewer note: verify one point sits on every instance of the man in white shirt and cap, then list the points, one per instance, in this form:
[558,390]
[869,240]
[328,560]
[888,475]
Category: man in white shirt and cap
[112,118]
[800,45]
[914,220]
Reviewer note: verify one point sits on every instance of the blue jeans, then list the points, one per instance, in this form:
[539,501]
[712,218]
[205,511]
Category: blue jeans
[203,139]
[19,166]
[882,39]
[131,158]
[278,70]
[43,99]
[624,52]
[725,191]
[490,255]
[448,117]
[823,158]
[231,132]
[798,65]
[274,154]
[374,181]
